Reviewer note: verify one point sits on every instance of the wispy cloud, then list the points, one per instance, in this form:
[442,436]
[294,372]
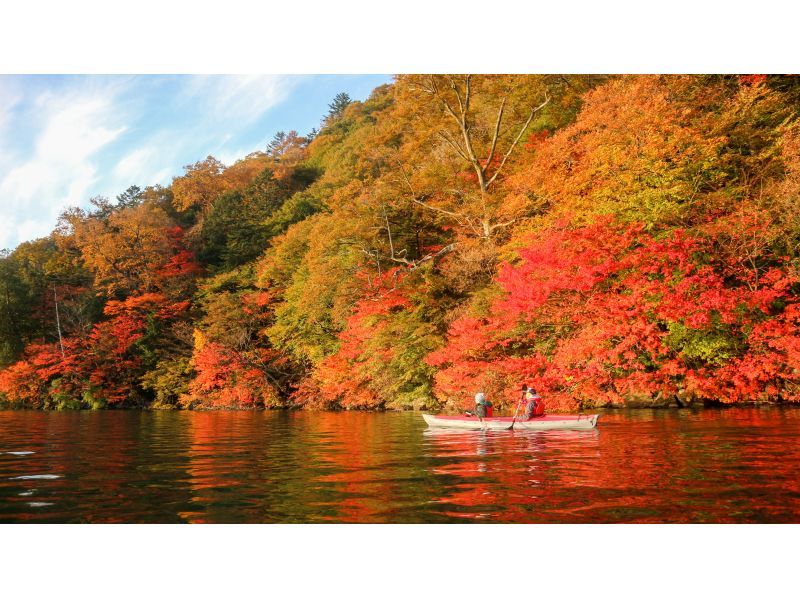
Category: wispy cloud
[70,137]
[68,151]
[8,99]
[61,170]
[65,139]
[134,164]
[242,98]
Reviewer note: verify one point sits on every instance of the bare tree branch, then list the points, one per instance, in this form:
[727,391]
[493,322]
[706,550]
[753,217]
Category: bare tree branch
[454,87]
[453,144]
[455,215]
[496,132]
[458,107]
[434,256]
[517,138]
[494,227]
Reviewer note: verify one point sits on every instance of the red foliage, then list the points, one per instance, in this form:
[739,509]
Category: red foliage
[752,79]
[535,139]
[344,377]
[604,312]
[177,274]
[181,264]
[107,363]
[28,380]
[225,379]
[232,374]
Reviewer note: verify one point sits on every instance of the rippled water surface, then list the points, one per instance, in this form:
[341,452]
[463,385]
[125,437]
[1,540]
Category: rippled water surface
[738,465]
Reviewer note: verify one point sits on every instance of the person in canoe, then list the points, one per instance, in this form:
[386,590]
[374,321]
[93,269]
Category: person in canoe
[489,408]
[483,406]
[534,404]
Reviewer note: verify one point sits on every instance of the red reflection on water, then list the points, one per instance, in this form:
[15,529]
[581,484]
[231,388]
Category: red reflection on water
[212,459]
[52,479]
[354,448]
[639,466]
[493,467]
[700,466]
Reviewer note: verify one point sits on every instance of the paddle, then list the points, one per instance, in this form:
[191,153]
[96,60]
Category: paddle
[514,419]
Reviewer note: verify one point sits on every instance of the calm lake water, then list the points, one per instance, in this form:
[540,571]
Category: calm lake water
[737,465]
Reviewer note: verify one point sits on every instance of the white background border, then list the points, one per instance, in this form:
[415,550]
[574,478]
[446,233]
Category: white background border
[179,36]
[369,36]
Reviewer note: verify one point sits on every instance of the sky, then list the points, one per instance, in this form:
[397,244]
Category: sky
[67,138]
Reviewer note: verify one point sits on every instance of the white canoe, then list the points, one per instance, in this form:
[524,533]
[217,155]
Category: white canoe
[547,422]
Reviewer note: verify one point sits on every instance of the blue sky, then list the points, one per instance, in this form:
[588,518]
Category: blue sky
[65,139]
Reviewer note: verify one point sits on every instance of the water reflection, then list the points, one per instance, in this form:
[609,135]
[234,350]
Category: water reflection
[641,466]
[503,476]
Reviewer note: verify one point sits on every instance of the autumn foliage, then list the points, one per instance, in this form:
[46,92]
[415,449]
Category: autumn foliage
[352,376]
[624,240]
[602,313]
[104,365]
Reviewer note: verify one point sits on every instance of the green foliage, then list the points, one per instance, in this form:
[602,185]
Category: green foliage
[168,381]
[314,272]
[337,106]
[14,314]
[240,224]
[706,346]
[406,379]
[234,231]
[298,207]
[62,397]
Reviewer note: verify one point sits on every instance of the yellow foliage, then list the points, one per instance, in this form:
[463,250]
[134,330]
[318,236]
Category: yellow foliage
[200,339]
[126,250]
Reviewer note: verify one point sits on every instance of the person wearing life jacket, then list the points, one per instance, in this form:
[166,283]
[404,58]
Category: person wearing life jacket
[534,404]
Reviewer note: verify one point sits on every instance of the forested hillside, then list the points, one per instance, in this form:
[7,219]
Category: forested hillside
[610,240]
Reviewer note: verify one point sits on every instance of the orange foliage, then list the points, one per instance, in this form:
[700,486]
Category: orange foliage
[633,147]
[21,383]
[207,179]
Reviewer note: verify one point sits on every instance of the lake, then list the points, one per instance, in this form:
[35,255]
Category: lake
[704,466]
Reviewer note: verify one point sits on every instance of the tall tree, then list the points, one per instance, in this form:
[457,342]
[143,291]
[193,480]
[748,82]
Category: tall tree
[337,106]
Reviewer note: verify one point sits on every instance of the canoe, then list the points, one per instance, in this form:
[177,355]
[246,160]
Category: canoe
[547,422]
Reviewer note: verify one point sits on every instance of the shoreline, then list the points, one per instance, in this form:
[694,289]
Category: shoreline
[637,406]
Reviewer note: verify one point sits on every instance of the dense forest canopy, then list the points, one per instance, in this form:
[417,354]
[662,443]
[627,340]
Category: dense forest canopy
[607,239]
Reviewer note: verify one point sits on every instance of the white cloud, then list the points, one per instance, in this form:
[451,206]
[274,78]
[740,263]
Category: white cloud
[60,171]
[33,229]
[161,177]
[7,231]
[78,130]
[230,156]
[149,165]
[99,135]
